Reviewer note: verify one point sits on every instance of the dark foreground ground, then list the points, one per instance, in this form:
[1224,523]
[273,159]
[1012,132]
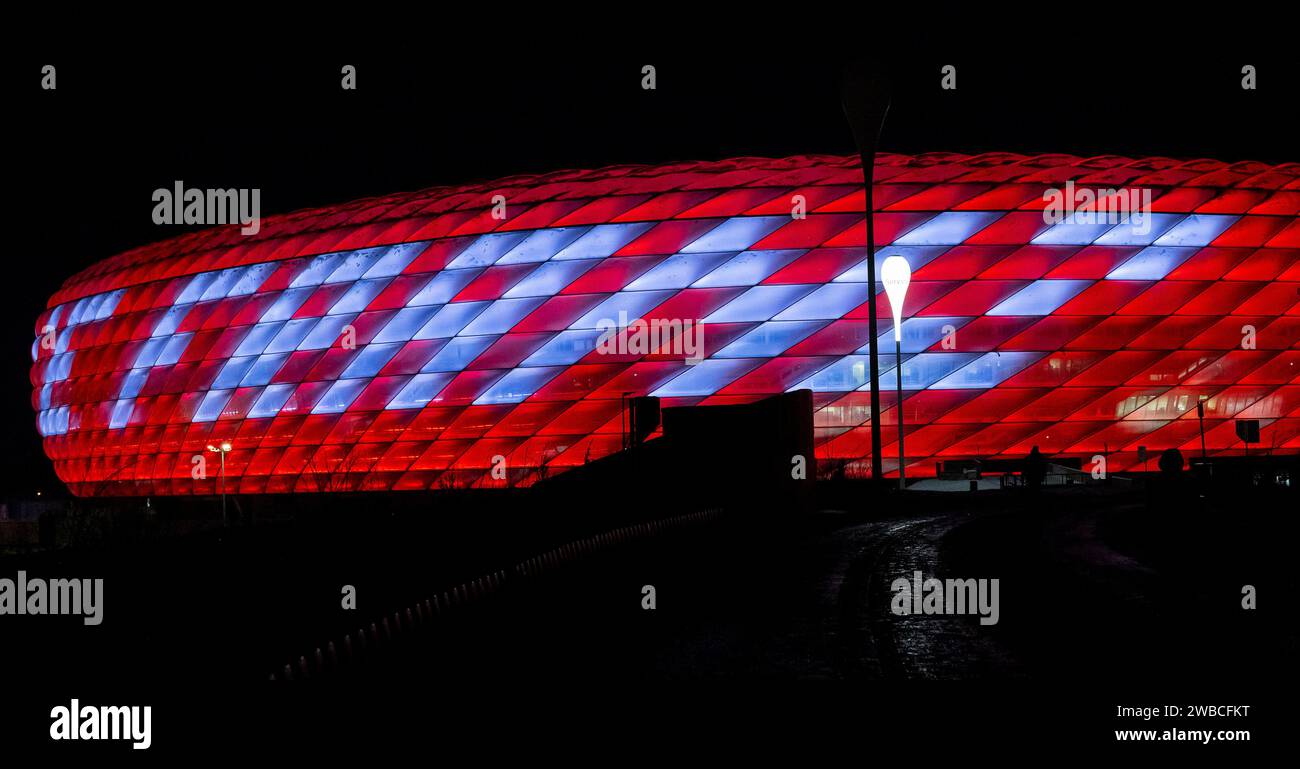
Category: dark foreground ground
[1106,599]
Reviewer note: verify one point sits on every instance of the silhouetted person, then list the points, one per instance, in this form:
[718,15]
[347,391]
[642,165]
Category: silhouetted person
[1168,494]
[1035,469]
[1171,465]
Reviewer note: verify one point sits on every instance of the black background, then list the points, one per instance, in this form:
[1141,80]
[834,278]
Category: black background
[458,106]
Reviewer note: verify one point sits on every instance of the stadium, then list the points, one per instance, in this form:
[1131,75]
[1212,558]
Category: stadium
[416,340]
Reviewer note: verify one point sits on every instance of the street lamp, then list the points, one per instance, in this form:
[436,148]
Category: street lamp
[865,98]
[896,274]
[223,449]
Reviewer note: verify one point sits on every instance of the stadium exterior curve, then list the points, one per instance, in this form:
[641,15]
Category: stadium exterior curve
[417,340]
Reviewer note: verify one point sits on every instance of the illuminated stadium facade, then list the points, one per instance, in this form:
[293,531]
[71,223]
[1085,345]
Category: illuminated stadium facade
[404,342]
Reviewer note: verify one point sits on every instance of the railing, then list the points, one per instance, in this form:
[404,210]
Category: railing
[349,649]
[1059,475]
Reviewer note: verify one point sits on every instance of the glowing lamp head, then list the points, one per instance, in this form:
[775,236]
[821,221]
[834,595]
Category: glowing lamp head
[896,274]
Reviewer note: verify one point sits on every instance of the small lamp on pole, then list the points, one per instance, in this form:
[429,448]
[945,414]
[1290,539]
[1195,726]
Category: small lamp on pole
[223,448]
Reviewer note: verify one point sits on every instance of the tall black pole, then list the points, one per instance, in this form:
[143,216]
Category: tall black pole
[1200,416]
[225,523]
[898,378]
[865,98]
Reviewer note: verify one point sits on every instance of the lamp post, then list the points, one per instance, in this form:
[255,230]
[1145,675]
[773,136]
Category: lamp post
[223,449]
[865,99]
[896,274]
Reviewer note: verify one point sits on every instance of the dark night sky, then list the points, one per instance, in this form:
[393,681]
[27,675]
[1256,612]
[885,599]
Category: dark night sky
[89,155]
